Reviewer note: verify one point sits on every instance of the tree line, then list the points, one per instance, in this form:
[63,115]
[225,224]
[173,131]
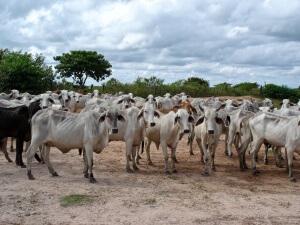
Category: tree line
[30,73]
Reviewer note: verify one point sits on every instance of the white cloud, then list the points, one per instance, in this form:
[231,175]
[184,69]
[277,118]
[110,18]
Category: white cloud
[217,40]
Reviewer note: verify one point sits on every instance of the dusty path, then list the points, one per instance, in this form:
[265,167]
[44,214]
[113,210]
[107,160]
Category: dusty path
[228,196]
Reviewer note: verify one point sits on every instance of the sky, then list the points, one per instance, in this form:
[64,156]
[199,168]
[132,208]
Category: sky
[229,41]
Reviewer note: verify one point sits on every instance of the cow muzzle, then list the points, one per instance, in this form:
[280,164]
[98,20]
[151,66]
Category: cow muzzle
[211,131]
[77,101]
[66,100]
[186,131]
[152,124]
[45,107]
[126,106]
[114,130]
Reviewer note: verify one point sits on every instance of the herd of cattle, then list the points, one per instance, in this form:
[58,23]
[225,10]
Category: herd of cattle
[70,120]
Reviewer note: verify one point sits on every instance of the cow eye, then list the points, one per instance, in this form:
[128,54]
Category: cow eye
[145,111]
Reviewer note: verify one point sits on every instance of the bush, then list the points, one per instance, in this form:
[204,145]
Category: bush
[281,92]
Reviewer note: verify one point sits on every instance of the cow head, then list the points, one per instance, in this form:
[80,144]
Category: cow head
[211,120]
[148,112]
[112,115]
[45,99]
[183,119]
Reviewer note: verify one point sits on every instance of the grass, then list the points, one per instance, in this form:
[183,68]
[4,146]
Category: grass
[172,177]
[150,201]
[33,197]
[75,200]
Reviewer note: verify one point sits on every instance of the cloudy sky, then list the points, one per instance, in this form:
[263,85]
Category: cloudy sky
[222,41]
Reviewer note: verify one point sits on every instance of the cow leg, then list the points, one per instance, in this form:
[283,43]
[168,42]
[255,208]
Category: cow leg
[266,155]
[85,167]
[89,157]
[137,157]
[128,154]
[45,154]
[30,153]
[253,152]
[290,156]
[11,144]
[134,150]
[277,152]
[201,151]
[173,157]
[228,142]
[149,161]
[206,158]
[241,153]
[191,139]
[19,150]
[212,153]
[4,149]
[166,157]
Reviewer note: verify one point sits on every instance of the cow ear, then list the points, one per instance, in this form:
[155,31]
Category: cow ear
[140,115]
[191,119]
[102,118]
[201,109]
[121,118]
[299,123]
[228,119]
[132,100]
[176,120]
[154,99]
[19,98]
[188,96]
[147,99]
[180,101]
[51,100]
[156,114]
[200,120]
[219,120]
[221,107]
[120,101]
[281,103]
[59,97]
[193,109]
[92,95]
[69,97]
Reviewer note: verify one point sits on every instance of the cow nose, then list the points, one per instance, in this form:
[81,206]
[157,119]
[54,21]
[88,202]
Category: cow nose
[45,107]
[77,101]
[114,130]
[186,131]
[152,124]
[126,106]
[67,100]
[211,131]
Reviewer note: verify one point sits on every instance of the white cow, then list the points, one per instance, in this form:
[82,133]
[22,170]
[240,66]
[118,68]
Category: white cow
[208,129]
[278,131]
[68,100]
[66,131]
[167,132]
[123,102]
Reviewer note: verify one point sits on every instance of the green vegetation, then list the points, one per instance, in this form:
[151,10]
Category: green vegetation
[75,200]
[29,73]
[150,201]
[79,65]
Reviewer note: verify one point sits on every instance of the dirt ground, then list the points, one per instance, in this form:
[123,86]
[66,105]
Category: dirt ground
[148,196]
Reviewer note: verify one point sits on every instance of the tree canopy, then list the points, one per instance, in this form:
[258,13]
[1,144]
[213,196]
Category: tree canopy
[80,64]
[24,72]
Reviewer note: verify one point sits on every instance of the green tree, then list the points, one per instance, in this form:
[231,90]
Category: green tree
[198,81]
[80,65]
[24,72]
[154,83]
[281,92]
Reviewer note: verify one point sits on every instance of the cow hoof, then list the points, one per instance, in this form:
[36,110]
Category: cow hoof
[256,159]
[54,174]
[279,166]
[86,175]
[174,171]
[255,173]
[23,166]
[213,169]
[150,163]
[202,162]
[30,177]
[226,153]
[93,180]
[167,172]
[266,162]
[139,157]
[11,150]
[176,161]
[137,162]
[206,173]
[9,160]
[130,159]
[135,168]
[191,153]
[293,179]
[129,170]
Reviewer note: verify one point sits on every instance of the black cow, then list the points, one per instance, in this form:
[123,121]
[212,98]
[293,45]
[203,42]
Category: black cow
[15,122]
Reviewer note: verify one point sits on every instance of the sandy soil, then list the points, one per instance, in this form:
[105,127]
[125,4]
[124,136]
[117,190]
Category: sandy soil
[227,196]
